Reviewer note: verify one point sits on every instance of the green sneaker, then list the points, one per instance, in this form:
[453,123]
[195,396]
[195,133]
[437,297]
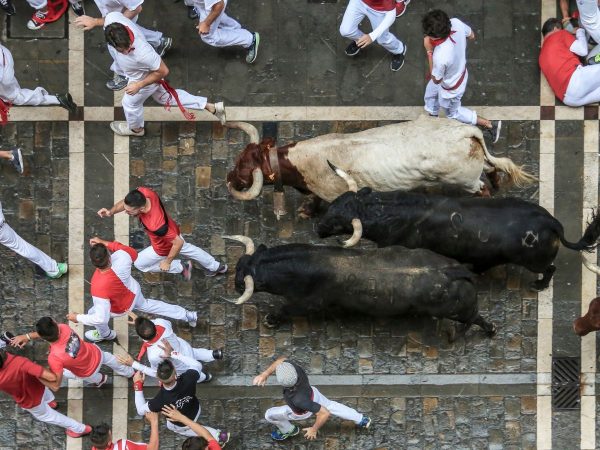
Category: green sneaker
[62,269]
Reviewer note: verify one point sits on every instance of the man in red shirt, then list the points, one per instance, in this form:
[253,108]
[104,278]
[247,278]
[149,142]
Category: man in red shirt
[101,437]
[573,83]
[166,241]
[72,357]
[115,292]
[25,382]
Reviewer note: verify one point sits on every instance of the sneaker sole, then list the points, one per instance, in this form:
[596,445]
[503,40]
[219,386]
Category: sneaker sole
[35,26]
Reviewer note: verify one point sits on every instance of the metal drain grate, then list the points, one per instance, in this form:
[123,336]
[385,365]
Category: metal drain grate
[565,383]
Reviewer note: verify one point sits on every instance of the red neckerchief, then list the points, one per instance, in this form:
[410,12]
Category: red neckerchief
[131,37]
[173,94]
[436,42]
[159,332]
[4,105]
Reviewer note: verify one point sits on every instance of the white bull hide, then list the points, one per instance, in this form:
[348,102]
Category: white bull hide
[402,156]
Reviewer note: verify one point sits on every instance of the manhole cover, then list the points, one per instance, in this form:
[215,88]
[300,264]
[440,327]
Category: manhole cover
[565,383]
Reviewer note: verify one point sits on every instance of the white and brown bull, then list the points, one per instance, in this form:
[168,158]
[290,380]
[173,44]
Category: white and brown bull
[403,156]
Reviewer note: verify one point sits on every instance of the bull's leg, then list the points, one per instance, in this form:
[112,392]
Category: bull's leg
[272,320]
[309,206]
[488,327]
[494,179]
[540,285]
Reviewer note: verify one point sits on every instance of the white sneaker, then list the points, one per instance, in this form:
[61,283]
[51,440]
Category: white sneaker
[220,112]
[122,129]
[94,336]
[192,318]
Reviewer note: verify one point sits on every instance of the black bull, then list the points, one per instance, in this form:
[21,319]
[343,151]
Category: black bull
[377,282]
[482,232]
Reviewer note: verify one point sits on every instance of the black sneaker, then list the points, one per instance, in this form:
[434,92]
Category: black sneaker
[220,270]
[78,8]
[218,354]
[8,7]
[398,60]
[6,337]
[192,14]
[253,49]
[164,46]
[352,49]
[208,377]
[17,160]
[494,132]
[66,101]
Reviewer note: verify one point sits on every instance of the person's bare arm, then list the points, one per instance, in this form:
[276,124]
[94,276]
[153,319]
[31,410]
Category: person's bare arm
[153,77]
[51,380]
[115,209]
[321,417]
[165,264]
[261,380]
[175,416]
[204,26]
[89,23]
[564,9]
[22,339]
[152,417]
[471,36]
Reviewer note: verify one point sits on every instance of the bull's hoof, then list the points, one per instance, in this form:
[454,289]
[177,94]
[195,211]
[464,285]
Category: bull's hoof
[537,286]
[492,331]
[270,321]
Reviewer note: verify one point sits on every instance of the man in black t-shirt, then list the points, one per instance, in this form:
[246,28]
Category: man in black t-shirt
[177,391]
[303,400]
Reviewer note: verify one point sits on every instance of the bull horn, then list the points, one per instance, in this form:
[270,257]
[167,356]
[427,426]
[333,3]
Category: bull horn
[248,291]
[590,265]
[247,128]
[253,192]
[356,234]
[244,239]
[352,186]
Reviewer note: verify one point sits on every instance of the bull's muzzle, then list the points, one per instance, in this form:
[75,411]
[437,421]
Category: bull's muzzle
[253,191]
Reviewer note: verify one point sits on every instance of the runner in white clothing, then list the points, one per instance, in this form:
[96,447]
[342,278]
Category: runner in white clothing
[381,14]
[139,62]
[44,14]
[216,28]
[155,333]
[17,244]
[130,9]
[115,292]
[446,45]
[12,94]
[589,16]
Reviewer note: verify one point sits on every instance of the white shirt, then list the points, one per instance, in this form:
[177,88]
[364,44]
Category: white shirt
[205,6]
[450,58]
[154,351]
[138,63]
[107,6]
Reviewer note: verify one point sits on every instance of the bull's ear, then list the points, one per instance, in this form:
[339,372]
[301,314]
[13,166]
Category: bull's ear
[365,191]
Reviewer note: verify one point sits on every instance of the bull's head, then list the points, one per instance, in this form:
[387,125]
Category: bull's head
[245,181]
[244,282]
[343,214]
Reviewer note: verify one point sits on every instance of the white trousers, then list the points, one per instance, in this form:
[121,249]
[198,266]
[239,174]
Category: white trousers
[280,416]
[355,13]
[225,31]
[147,305]
[435,98]
[17,244]
[149,261]
[186,431]
[589,17]
[11,91]
[44,413]
[133,105]
[109,360]
[584,86]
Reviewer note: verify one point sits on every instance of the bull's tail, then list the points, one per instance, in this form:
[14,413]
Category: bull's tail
[589,240]
[516,174]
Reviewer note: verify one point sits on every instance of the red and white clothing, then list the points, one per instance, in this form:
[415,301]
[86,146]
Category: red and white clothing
[108,6]
[149,259]
[224,31]
[126,444]
[381,15]
[164,330]
[115,292]
[19,378]
[136,65]
[574,84]
[75,358]
[10,239]
[450,66]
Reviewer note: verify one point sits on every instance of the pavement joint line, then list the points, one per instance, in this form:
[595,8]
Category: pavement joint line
[588,289]
[545,310]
